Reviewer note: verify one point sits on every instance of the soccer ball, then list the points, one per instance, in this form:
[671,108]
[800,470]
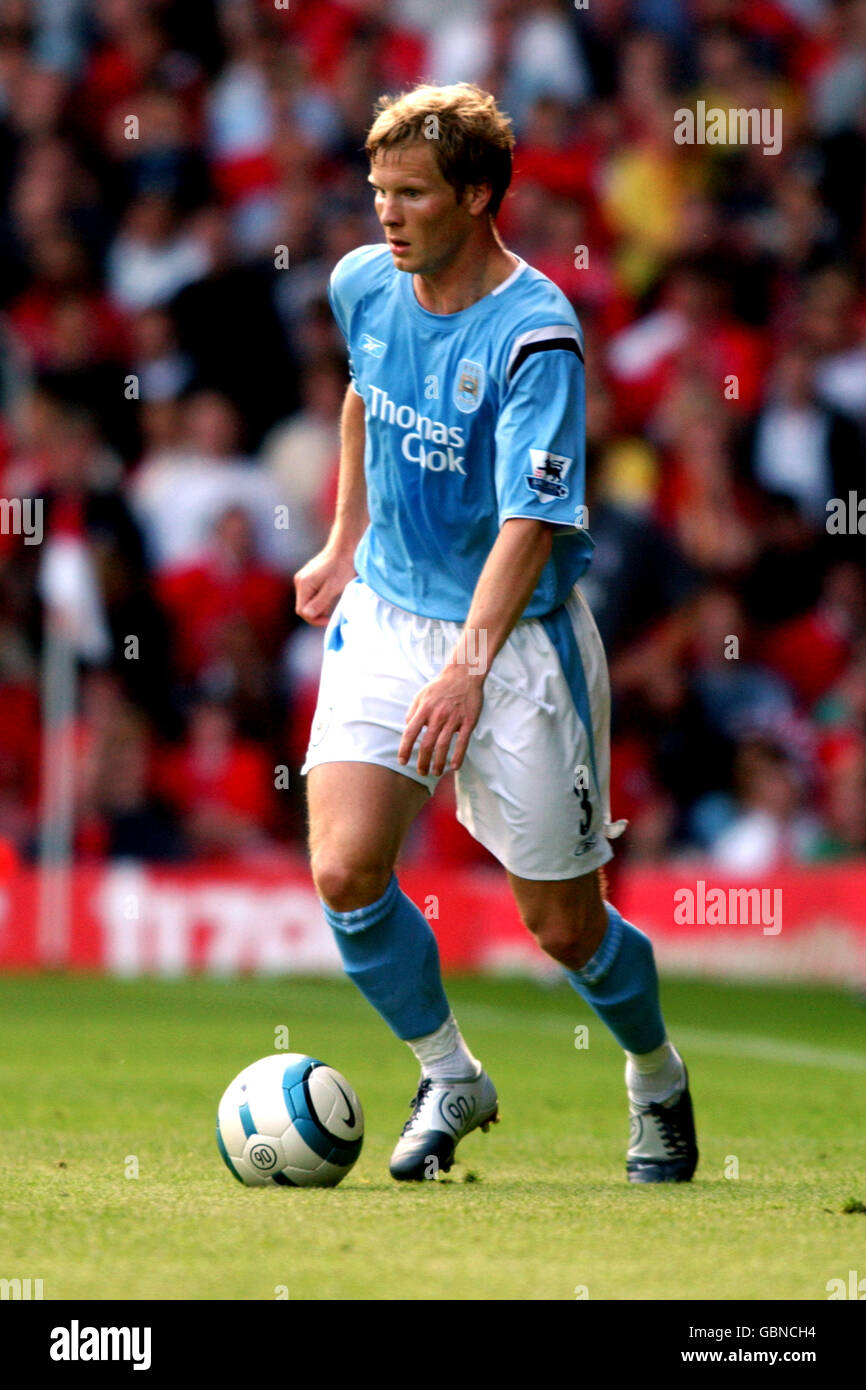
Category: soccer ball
[291,1120]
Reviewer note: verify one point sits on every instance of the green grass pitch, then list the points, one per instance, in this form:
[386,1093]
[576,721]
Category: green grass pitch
[96,1073]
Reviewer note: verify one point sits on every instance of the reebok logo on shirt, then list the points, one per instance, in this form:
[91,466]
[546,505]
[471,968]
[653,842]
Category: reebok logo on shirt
[374,346]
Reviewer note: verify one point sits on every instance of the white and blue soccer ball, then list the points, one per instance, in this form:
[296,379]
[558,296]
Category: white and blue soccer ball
[290,1120]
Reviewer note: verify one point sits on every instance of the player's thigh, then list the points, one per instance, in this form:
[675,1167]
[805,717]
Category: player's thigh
[359,814]
[566,915]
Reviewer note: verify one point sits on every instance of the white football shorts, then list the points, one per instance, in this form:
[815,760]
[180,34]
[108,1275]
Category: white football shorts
[534,785]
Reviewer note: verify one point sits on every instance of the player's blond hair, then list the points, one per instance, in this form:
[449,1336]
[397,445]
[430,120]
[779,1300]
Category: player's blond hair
[471,138]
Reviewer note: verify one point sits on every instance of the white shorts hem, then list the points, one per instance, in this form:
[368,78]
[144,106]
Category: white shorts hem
[392,766]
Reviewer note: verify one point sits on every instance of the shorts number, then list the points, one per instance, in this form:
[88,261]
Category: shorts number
[585,809]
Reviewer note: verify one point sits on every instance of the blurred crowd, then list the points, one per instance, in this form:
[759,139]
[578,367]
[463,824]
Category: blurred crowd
[177,180]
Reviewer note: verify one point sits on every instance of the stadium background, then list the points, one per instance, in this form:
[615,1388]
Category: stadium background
[177,181]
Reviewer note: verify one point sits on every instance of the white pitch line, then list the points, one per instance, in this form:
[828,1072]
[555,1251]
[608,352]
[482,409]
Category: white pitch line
[505,1017]
[770,1049]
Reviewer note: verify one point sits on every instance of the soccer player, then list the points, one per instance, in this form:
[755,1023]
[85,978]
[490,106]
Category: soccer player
[457,637]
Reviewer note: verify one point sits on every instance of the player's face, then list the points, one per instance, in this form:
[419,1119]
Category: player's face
[425,224]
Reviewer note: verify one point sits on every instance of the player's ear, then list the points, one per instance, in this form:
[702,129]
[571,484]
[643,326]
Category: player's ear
[477,196]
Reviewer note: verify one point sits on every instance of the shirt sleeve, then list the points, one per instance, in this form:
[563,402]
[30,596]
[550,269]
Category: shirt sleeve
[541,439]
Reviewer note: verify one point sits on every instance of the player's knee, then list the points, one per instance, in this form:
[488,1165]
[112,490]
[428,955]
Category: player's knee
[563,940]
[346,884]
[572,938]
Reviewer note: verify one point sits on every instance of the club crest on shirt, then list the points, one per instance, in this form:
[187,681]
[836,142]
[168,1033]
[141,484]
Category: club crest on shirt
[469,386]
[548,473]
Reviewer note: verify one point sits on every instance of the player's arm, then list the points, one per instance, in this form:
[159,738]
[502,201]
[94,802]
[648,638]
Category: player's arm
[451,703]
[319,584]
[540,434]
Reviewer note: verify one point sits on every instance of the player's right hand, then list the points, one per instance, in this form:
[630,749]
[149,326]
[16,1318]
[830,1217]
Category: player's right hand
[321,581]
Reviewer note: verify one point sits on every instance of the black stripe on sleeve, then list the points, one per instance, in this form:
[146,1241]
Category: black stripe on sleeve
[548,345]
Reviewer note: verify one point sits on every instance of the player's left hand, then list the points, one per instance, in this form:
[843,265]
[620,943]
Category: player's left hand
[449,705]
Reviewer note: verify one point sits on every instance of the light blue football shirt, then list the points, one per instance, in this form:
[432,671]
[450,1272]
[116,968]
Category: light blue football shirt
[470,418]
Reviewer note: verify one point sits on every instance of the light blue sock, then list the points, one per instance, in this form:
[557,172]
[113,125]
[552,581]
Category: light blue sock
[389,950]
[620,984]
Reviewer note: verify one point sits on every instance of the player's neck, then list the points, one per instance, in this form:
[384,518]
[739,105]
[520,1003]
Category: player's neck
[475,271]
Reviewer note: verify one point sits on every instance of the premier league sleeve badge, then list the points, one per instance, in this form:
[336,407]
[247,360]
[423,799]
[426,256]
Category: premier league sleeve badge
[548,474]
